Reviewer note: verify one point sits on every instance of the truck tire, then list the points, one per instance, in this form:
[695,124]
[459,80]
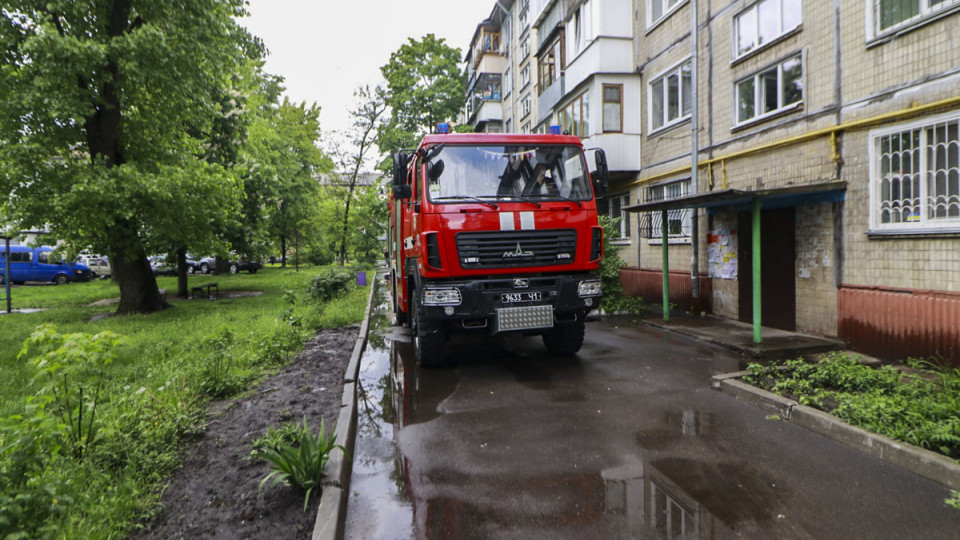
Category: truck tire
[565,338]
[428,336]
[61,279]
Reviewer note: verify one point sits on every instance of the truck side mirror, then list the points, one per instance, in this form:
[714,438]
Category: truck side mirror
[400,161]
[402,191]
[601,176]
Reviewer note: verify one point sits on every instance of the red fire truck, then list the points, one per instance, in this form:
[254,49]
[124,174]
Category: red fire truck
[495,233]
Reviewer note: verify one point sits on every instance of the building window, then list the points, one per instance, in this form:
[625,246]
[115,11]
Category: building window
[612,108]
[678,221]
[915,176]
[507,82]
[582,22]
[525,106]
[508,126]
[889,14]
[764,22]
[551,63]
[525,76]
[670,97]
[658,10]
[612,206]
[574,117]
[525,128]
[525,48]
[770,91]
[524,17]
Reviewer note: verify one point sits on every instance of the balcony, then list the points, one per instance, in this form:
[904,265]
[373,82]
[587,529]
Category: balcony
[549,98]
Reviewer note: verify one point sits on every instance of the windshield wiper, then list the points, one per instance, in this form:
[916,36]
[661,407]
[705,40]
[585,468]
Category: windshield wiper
[561,197]
[467,197]
[524,199]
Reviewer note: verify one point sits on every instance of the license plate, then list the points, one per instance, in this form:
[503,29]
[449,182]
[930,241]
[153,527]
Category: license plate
[507,298]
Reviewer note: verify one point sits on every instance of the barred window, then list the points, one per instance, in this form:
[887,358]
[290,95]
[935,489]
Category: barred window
[915,177]
[612,206]
[678,221]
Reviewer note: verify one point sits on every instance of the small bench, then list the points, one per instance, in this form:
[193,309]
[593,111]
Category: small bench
[213,291]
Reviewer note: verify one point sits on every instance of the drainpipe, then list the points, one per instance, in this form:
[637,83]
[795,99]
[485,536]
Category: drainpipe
[665,236]
[694,153]
[513,92]
[757,289]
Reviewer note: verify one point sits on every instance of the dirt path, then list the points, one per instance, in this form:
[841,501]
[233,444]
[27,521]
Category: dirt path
[214,494]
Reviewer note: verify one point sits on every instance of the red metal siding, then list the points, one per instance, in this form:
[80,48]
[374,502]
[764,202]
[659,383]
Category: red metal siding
[898,323]
[648,284]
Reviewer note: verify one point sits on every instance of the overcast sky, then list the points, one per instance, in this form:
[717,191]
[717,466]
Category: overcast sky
[325,49]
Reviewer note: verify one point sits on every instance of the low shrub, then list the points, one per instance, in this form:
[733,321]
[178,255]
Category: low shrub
[329,284]
[921,407]
[614,300]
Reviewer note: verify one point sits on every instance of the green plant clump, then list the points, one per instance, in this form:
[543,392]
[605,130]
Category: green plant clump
[614,300]
[329,284]
[921,407]
[302,464]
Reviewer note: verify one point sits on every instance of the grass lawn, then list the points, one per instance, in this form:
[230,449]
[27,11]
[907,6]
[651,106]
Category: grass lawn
[53,482]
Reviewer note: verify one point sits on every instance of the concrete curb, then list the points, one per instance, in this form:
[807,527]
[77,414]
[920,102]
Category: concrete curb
[332,512]
[930,465]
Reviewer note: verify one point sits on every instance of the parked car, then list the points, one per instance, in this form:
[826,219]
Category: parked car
[245,263]
[166,265]
[207,265]
[99,265]
[39,264]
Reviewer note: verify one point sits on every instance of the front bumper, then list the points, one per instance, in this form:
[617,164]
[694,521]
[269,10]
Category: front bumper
[491,303]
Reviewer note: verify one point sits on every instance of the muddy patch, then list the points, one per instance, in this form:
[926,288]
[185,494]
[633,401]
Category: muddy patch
[214,494]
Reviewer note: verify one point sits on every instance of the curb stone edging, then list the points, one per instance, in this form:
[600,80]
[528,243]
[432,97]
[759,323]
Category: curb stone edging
[332,511]
[928,464]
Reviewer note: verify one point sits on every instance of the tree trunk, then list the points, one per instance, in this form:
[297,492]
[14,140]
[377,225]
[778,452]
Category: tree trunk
[283,251]
[182,290]
[138,285]
[346,220]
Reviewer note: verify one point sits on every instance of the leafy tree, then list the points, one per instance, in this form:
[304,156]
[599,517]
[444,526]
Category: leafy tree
[351,158]
[424,87]
[283,162]
[105,107]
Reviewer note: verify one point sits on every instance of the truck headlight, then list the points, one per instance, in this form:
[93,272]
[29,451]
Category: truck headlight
[447,296]
[590,288]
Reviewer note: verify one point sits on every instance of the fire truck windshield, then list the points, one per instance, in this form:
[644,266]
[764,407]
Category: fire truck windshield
[541,172]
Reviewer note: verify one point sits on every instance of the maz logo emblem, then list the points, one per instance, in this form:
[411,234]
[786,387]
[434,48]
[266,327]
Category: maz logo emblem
[521,283]
[519,252]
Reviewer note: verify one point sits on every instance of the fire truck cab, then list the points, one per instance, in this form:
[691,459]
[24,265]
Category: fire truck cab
[495,233]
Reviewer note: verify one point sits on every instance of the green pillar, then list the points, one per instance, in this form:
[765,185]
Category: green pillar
[665,236]
[757,337]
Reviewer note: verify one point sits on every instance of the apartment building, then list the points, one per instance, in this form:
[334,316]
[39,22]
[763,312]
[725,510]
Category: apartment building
[484,74]
[586,82]
[832,129]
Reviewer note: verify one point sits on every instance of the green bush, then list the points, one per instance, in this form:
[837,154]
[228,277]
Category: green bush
[329,284]
[614,300]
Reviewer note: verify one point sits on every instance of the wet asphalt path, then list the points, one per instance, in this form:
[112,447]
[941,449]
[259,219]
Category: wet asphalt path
[626,440]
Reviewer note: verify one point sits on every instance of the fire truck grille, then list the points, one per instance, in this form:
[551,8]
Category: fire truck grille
[510,249]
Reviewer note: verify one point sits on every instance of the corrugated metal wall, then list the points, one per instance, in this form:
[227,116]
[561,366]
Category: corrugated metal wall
[898,323]
[648,284]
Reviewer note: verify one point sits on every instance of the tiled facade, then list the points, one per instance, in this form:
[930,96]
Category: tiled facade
[858,86]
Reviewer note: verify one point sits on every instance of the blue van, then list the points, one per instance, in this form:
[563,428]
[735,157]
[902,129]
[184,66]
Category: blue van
[37,264]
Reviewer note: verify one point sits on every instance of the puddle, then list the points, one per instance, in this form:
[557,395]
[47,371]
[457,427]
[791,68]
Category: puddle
[23,310]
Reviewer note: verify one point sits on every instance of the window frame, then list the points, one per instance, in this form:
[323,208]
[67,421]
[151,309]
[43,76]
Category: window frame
[925,13]
[666,9]
[525,106]
[578,112]
[758,95]
[603,108]
[607,210]
[755,6]
[553,69]
[685,214]
[676,69]
[525,75]
[923,225]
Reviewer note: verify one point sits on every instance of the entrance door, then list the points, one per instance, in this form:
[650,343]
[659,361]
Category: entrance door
[778,287]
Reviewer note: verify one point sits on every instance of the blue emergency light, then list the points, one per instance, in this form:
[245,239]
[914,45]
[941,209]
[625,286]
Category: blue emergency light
[555,130]
[443,128]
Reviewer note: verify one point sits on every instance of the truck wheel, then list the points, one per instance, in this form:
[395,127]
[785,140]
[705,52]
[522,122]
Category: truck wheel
[565,338]
[428,336]
[61,279]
